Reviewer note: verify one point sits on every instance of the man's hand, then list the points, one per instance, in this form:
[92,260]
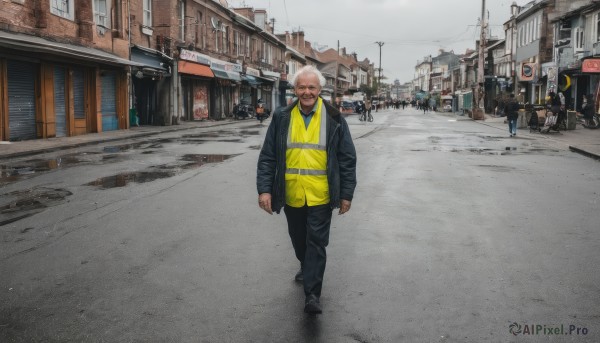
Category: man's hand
[264,202]
[345,206]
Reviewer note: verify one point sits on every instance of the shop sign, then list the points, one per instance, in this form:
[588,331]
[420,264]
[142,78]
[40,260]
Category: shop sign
[194,57]
[591,65]
[527,71]
[252,71]
[225,66]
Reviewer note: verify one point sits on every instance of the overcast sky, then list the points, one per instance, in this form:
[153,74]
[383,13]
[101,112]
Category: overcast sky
[410,29]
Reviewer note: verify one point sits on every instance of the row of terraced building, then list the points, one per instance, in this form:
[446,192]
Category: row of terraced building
[76,67]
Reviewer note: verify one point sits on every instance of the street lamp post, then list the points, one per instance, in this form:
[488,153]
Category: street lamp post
[379,78]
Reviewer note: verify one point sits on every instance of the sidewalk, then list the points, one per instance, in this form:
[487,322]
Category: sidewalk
[581,140]
[37,146]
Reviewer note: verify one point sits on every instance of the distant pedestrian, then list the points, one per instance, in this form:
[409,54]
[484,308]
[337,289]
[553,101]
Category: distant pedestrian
[588,109]
[368,106]
[512,114]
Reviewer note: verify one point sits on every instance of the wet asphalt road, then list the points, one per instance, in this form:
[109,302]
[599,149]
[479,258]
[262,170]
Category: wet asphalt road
[457,233]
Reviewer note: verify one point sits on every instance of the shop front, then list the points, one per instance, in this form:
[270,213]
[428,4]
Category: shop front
[250,88]
[52,89]
[591,67]
[150,82]
[225,86]
[270,89]
[195,85]
[195,80]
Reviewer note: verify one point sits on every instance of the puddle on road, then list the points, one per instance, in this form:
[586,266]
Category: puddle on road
[23,204]
[250,132]
[162,171]
[123,179]
[25,169]
[497,168]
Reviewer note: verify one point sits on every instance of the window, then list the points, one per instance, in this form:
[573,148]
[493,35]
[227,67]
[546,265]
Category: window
[182,20]
[225,38]
[199,35]
[101,11]
[62,8]
[147,19]
[578,35]
[239,43]
[247,46]
[596,30]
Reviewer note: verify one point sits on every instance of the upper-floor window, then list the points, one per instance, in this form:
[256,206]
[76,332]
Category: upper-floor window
[62,8]
[578,36]
[147,18]
[101,11]
[596,27]
[248,51]
[182,20]
[239,43]
[225,37]
[267,53]
[199,31]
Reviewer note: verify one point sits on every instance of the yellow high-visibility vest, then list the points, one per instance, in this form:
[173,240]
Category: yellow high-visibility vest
[306,160]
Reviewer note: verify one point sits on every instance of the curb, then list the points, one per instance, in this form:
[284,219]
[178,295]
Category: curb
[101,140]
[584,152]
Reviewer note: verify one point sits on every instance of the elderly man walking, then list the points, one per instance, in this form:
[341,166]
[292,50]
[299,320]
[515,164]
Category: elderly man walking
[307,166]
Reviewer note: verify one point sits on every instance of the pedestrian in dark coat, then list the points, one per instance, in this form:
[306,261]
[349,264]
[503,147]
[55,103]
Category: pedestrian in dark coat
[512,114]
[588,109]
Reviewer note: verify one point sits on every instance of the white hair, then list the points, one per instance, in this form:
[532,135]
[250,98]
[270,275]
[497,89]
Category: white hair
[309,69]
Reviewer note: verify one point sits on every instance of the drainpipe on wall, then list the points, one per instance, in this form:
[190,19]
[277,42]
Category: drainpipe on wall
[174,93]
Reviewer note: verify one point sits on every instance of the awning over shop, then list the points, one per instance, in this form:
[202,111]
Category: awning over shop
[151,58]
[34,44]
[227,75]
[195,69]
[251,80]
[270,74]
[267,80]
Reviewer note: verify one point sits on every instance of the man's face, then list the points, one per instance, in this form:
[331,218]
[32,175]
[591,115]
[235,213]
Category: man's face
[307,90]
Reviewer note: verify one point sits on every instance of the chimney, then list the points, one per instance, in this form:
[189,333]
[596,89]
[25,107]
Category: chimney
[301,39]
[343,51]
[514,9]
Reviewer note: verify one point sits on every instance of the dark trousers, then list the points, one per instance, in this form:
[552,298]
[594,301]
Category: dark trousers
[309,230]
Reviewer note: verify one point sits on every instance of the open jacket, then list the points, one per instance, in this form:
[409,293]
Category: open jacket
[341,158]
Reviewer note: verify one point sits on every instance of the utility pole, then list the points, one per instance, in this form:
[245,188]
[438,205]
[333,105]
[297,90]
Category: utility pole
[479,110]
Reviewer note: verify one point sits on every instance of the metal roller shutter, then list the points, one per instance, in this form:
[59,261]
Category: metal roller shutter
[21,100]
[78,94]
[109,102]
[59,102]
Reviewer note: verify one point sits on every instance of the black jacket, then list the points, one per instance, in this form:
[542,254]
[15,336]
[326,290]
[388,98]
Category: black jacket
[512,109]
[341,158]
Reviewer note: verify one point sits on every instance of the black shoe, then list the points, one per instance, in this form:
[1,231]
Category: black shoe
[312,305]
[299,276]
